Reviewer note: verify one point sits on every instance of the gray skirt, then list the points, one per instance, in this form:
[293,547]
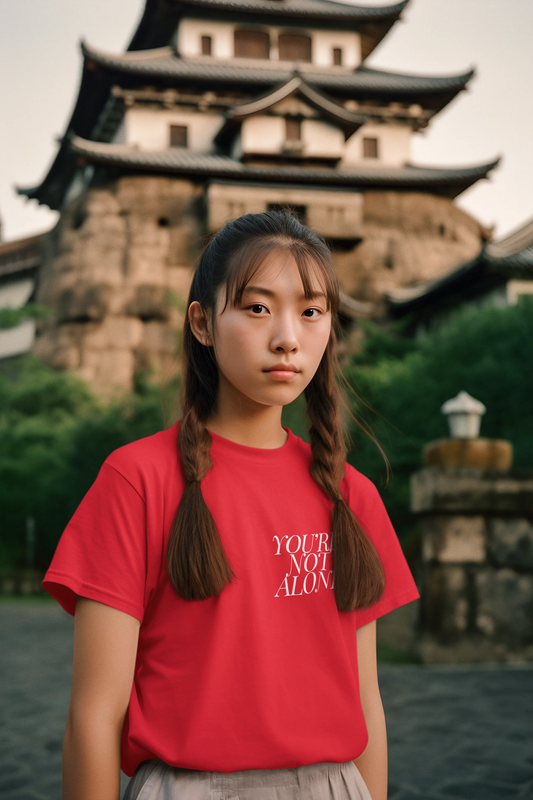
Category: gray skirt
[155,780]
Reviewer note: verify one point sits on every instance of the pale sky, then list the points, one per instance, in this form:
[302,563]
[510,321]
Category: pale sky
[40,68]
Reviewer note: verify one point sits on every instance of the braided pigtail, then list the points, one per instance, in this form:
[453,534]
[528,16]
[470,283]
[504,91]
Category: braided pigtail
[359,576]
[196,561]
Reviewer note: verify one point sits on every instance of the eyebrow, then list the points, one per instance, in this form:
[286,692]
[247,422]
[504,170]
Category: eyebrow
[269,293]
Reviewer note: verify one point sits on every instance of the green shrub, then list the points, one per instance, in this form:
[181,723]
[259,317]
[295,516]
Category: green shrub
[486,351]
[54,437]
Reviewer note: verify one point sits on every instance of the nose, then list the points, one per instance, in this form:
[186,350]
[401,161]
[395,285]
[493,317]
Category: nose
[284,339]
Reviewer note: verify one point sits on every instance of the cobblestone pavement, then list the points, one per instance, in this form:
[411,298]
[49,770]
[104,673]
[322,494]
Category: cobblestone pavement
[454,732]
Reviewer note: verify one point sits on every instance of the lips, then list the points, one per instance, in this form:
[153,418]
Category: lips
[282,368]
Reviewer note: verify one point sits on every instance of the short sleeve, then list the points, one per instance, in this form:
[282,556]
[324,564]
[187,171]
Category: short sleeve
[102,552]
[368,507]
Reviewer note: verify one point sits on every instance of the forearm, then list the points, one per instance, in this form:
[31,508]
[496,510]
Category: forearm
[91,758]
[372,763]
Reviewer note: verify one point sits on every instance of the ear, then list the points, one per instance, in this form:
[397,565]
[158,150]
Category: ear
[199,323]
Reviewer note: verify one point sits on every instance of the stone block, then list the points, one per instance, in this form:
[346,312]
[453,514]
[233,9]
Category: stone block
[504,608]
[114,371]
[179,282]
[123,332]
[469,490]
[147,264]
[149,302]
[102,202]
[159,337]
[453,539]
[445,601]
[84,302]
[511,542]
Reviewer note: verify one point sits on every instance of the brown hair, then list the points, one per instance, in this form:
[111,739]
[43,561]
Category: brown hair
[196,562]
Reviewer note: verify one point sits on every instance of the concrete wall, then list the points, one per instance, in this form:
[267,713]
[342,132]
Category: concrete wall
[190,34]
[477,564]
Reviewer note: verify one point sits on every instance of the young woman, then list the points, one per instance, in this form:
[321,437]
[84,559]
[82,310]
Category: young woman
[226,576]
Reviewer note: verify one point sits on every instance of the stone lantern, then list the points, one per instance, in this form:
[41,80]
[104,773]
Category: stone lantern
[464,414]
[475,521]
[464,448]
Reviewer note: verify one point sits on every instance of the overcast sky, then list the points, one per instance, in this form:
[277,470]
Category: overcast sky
[40,67]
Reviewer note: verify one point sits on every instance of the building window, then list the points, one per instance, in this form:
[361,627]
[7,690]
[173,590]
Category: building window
[293,129]
[293,47]
[206,45]
[337,57]
[252,44]
[178,136]
[300,212]
[370,148]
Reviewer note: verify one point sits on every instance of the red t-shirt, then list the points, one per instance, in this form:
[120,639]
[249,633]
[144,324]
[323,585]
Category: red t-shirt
[265,675]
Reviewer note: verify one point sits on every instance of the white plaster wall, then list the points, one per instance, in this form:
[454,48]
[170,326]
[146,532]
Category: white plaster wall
[18,340]
[190,32]
[16,293]
[262,134]
[321,140]
[332,214]
[325,41]
[393,145]
[148,128]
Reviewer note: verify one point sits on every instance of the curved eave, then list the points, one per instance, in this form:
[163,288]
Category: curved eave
[176,161]
[159,20]
[92,97]
[163,66]
[346,120]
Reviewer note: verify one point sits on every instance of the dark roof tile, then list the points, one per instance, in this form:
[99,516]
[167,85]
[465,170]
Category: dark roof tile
[450,181]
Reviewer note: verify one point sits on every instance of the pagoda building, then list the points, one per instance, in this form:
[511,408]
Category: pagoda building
[224,107]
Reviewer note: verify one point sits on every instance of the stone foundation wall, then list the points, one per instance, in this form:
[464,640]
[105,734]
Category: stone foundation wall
[114,267]
[477,564]
[122,254]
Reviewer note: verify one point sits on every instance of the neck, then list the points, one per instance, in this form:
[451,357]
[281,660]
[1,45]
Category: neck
[248,424]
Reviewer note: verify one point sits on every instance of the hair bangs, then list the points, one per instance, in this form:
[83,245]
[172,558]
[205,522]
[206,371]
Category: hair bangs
[313,267]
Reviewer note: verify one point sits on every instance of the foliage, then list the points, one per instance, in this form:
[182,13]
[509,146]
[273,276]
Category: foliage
[11,317]
[486,351]
[54,437]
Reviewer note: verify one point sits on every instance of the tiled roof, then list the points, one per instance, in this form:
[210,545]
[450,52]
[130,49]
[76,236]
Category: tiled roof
[165,65]
[449,181]
[347,120]
[514,251]
[21,255]
[315,9]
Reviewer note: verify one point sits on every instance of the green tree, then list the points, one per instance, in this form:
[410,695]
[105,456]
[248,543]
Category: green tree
[486,351]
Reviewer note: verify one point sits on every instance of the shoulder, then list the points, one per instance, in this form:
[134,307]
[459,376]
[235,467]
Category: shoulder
[145,461]
[362,495]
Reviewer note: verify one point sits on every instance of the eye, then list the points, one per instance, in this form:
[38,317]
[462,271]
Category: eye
[312,313]
[257,308]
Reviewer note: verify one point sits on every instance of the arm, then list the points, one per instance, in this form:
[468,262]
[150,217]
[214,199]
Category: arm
[372,763]
[105,647]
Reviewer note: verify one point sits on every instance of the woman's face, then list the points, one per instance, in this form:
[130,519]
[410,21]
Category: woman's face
[269,345]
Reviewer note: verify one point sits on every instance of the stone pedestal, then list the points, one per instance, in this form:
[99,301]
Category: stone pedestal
[477,564]
[483,453]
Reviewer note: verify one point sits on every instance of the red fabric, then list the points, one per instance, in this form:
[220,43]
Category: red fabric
[265,675]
